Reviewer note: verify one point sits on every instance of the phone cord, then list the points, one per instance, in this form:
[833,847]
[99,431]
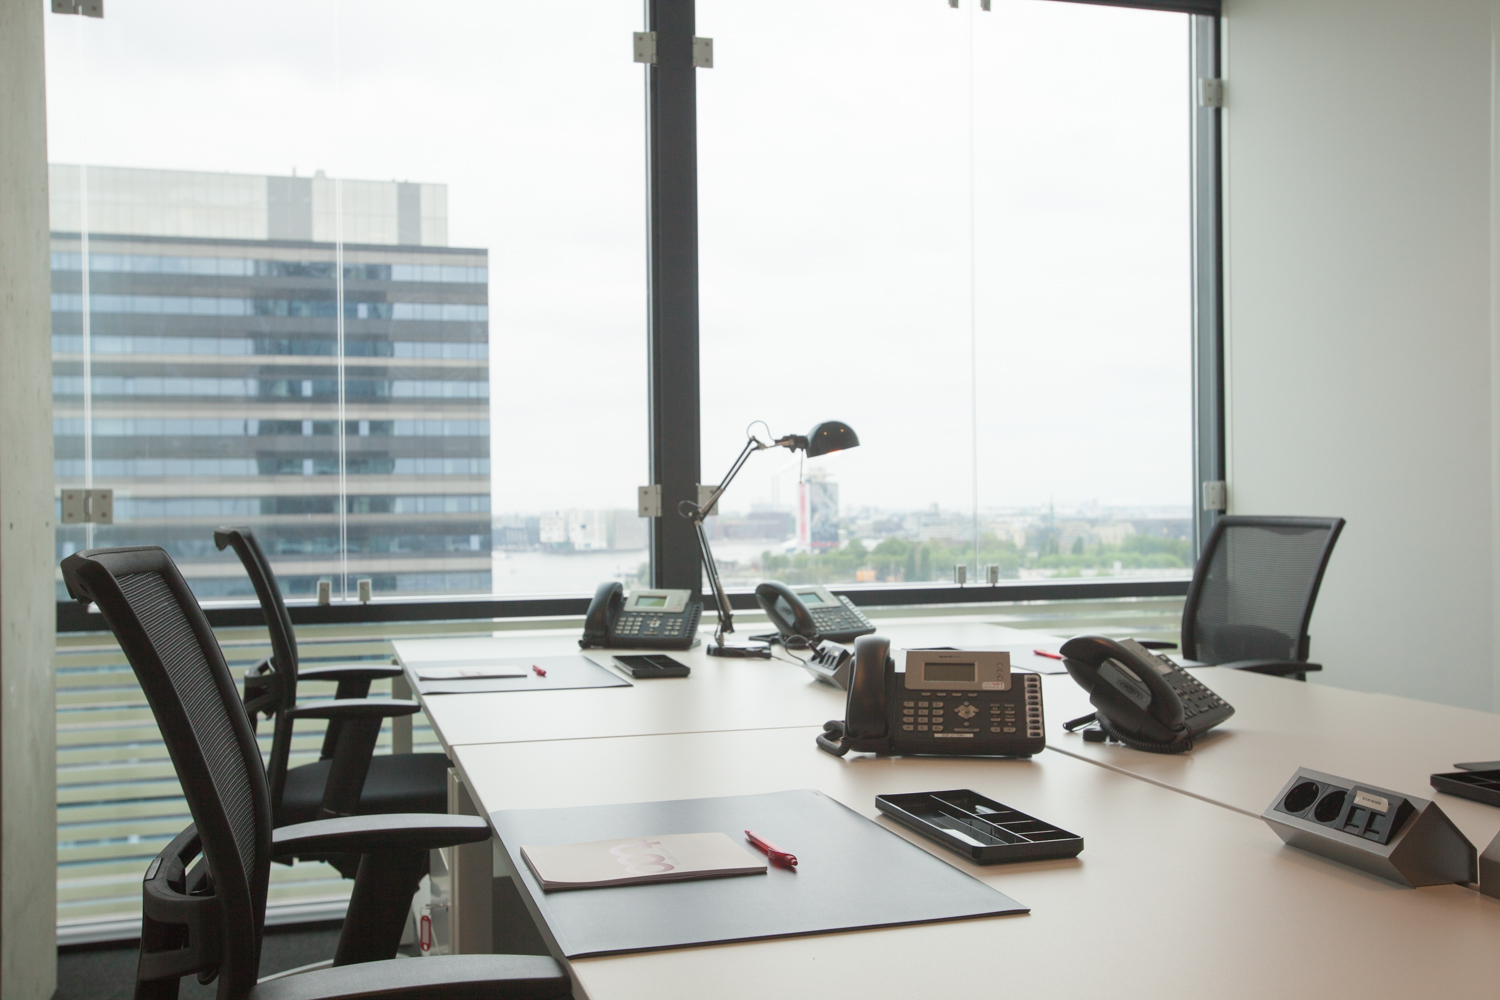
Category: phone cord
[1180,746]
[831,738]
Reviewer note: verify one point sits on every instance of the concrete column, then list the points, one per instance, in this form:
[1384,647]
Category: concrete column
[28,729]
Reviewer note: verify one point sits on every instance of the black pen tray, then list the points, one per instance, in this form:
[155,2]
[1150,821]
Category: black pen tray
[1481,786]
[978,828]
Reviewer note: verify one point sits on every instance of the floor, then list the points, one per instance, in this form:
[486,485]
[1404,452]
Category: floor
[107,971]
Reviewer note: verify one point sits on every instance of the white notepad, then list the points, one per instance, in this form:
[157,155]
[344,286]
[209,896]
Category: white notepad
[468,672]
[671,857]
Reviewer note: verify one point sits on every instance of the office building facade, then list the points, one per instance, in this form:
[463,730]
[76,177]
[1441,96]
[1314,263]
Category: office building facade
[221,357]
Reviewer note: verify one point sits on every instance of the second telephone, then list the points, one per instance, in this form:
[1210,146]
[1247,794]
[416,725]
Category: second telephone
[1143,700]
[948,702]
[811,612]
[646,619]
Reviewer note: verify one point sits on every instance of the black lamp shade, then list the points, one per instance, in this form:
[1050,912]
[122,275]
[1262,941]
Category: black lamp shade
[830,436]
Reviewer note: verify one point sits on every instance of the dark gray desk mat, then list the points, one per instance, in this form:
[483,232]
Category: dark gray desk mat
[852,873]
[563,672]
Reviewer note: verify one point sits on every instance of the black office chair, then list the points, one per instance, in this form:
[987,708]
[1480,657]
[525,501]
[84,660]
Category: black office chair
[347,779]
[208,918]
[1253,592]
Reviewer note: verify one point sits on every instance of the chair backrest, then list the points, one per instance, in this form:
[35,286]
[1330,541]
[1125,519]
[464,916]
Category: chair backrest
[278,619]
[147,605]
[1254,588]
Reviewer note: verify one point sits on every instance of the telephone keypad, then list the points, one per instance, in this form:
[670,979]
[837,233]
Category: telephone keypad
[1201,708]
[840,624]
[998,721]
[648,629]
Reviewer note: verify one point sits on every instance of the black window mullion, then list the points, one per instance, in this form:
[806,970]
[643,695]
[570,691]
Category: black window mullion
[672,141]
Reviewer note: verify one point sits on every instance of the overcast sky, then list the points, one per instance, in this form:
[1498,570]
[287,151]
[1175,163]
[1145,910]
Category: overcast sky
[835,219]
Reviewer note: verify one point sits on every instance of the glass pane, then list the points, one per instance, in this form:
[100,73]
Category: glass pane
[966,234]
[530,116]
[286,338]
[1083,290]
[196,279]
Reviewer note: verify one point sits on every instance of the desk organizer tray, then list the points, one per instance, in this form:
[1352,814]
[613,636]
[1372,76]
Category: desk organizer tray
[1481,786]
[981,829]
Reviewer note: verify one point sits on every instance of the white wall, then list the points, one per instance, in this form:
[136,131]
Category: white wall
[1359,301]
[28,733]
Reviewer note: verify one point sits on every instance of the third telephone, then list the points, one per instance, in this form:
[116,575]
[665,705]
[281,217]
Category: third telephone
[947,702]
[1143,699]
[647,619]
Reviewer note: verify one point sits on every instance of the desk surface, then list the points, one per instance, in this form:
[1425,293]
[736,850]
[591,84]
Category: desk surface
[1168,887]
[721,694]
[1280,725]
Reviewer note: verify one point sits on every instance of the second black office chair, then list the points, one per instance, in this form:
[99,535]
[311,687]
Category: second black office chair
[348,779]
[1253,592]
[208,917]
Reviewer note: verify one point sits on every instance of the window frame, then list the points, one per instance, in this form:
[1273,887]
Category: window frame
[674,381]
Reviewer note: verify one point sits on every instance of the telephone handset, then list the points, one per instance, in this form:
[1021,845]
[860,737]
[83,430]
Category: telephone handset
[1142,699]
[811,612]
[948,701]
[646,619]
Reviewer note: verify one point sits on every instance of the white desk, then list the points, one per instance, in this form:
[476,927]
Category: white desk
[1171,894]
[1280,725]
[720,694]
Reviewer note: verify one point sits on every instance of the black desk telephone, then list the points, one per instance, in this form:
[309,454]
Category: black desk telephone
[811,612]
[949,702]
[1142,699]
[647,619]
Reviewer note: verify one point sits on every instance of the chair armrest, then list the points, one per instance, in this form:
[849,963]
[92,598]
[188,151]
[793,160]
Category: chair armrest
[348,672]
[1275,668]
[378,832]
[355,708]
[452,977]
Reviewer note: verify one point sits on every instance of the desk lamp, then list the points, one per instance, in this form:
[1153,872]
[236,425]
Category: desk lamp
[827,437]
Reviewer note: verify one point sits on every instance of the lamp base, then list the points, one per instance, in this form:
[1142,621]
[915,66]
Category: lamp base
[742,652]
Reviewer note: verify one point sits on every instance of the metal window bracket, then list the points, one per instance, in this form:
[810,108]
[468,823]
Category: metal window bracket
[705,494]
[645,46]
[1215,495]
[650,500]
[645,49]
[703,53]
[88,8]
[1210,92]
[84,506]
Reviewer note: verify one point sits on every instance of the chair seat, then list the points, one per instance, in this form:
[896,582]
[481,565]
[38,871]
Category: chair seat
[397,783]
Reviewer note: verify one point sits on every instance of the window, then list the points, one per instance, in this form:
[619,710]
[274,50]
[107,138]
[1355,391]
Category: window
[966,234]
[389,379]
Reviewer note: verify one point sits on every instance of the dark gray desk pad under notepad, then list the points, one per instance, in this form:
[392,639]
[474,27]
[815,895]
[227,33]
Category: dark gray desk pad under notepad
[853,873]
[563,673]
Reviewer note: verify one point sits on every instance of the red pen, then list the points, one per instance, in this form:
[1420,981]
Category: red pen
[539,671]
[1050,656]
[776,855]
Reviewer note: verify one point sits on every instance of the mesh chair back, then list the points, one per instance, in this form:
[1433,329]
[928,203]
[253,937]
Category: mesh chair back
[1254,588]
[278,619]
[148,606]
[283,650]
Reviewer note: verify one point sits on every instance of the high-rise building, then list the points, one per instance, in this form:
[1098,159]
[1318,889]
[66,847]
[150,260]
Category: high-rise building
[298,354]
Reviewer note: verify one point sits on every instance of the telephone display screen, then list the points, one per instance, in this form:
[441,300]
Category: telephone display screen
[649,601]
[809,597]
[949,672]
